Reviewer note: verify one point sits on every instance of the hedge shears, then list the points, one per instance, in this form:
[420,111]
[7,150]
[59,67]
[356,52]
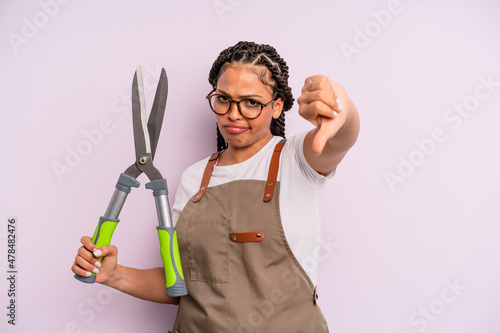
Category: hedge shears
[145,139]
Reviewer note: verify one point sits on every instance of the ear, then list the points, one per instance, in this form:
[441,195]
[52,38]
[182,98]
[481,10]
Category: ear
[277,108]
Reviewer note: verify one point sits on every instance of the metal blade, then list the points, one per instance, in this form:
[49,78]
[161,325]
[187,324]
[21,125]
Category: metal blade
[157,112]
[141,134]
[133,171]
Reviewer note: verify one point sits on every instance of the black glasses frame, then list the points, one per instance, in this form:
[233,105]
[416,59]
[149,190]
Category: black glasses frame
[231,101]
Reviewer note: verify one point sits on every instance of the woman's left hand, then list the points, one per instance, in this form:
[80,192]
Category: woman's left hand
[326,105]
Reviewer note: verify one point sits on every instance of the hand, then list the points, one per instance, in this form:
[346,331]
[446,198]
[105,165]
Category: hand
[325,107]
[86,260]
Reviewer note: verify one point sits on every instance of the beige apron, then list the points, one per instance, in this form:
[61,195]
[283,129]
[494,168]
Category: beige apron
[240,272]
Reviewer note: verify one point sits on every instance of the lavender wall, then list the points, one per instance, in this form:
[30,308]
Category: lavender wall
[411,223]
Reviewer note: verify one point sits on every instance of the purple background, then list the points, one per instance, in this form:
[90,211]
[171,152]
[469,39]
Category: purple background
[390,251]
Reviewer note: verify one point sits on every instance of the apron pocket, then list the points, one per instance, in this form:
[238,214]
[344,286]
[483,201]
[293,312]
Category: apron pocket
[207,250]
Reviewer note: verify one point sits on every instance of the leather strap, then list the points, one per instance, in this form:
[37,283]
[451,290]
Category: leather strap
[271,177]
[246,237]
[273,172]
[206,176]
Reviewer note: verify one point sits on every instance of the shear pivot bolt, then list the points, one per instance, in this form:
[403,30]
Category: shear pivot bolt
[143,160]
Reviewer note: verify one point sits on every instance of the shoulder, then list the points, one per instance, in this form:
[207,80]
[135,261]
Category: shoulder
[189,184]
[295,163]
[191,177]
[295,145]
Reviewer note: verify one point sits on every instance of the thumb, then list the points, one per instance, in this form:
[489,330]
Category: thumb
[108,255]
[106,251]
[323,134]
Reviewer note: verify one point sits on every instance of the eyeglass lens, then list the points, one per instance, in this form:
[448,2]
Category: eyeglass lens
[249,108]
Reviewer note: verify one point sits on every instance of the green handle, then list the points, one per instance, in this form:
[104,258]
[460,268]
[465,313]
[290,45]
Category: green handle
[102,236]
[169,250]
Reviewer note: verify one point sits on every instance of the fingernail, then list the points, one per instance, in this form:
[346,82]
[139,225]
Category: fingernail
[97,264]
[97,253]
[335,113]
[88,274]
[339,104]
[95,270]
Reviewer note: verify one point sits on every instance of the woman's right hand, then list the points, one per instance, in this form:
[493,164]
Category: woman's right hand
[86,261]
[148,284]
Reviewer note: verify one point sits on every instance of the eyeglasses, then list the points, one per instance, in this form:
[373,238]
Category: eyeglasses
[248,107]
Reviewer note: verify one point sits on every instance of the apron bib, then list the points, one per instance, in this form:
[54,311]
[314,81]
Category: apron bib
[239,270]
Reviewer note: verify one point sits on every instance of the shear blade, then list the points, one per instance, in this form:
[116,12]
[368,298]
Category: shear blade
[158,110]
[145,142]
[141,133]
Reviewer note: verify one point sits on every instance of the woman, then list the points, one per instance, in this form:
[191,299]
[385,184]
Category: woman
[248,218]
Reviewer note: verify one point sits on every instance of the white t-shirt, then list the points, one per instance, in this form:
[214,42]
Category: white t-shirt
[301,194]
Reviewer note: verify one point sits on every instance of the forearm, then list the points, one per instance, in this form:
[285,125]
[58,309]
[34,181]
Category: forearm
[147,284]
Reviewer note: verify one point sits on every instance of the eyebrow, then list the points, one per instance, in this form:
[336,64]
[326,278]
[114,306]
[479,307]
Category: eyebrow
[242,96]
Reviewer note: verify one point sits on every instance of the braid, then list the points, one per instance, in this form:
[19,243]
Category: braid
[257,55]
[221,143]
[278,126]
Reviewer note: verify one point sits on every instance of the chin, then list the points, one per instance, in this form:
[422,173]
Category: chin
[236,143]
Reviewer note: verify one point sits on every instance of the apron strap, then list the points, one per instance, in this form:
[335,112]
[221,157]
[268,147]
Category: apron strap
[273,172]
[271,177]
[206,176]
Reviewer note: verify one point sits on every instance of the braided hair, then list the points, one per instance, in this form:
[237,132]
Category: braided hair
[250,53]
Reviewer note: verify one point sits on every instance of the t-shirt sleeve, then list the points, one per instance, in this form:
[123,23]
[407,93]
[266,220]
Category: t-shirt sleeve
[296,149]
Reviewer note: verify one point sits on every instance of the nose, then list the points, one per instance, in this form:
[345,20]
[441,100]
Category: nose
[234,112]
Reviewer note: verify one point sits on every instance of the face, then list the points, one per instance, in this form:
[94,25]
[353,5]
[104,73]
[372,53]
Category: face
[240,133]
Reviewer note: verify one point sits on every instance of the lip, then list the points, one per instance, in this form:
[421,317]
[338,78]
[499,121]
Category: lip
[235,129]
